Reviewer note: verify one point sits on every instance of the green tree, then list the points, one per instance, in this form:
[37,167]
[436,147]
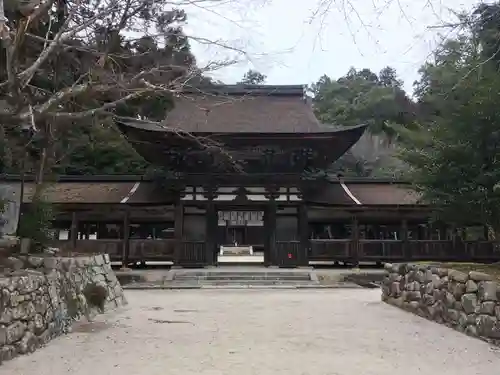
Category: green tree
[253,77]
[68,68]
[454,154]
[363,97]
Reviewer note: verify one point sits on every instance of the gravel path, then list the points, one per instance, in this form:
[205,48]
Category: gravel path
[232,332]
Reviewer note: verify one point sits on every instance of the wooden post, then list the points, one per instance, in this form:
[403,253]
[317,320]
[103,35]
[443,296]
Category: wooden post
[126,239]
[210,235]
[270,257]
[404,238]
[355,242]
[304,235]
[178,232]
[73,233]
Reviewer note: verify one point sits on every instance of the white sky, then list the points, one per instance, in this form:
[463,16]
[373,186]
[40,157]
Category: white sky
[284,41]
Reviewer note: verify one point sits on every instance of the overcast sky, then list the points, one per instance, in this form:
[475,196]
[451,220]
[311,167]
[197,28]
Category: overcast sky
[297,41]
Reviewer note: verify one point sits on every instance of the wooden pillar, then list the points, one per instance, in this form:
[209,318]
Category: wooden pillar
[211,231]
[355,241]
[73,233]
[404,239]
[270,257]
[178,231]
[126,239]
[304,235]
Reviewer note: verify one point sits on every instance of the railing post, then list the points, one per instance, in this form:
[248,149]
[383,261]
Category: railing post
[404,239]
[74,230]
[355,242]
[126,239]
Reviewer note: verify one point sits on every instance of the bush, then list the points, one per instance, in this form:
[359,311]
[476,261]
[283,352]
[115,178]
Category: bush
[36,224]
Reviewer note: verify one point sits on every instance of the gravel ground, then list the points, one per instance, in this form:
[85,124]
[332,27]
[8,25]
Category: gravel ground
[233,332]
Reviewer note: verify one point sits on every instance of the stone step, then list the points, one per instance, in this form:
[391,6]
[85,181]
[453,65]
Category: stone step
[243,282]
[238,273]
[244,277]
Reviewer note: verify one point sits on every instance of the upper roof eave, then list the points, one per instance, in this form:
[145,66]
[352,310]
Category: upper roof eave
[161,128]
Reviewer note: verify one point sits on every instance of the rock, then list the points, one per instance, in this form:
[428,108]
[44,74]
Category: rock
[429,287]
[487,326]
[428,275]
[7,352]
[434,310]
[39,324]
[439,295]
[6,316]
[471,319]
[449,299]
[497,311]
[44,337]
[14,263]
[442,272]
[487,291]
[35,261]
[27,344]
[420,277]
[15,332]
[3,336]
[414,296]
[462,319]
[100,261]
[428,300]
[461,277]
[25,311]
[469,302]
[470,287]
[487,307]
[480,276]
[471,330]
[50,263]
[436,281]
[458,289]
[457,305]
[453,315]
[413,306]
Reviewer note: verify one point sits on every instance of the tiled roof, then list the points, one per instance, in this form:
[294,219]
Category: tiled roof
[95,192]
[368,194]
[231,109]
[147,192]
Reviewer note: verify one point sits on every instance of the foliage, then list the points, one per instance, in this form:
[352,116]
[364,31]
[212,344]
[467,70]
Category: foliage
[454,153]
[253,77]
[36,224]
[67,68]
[363,97]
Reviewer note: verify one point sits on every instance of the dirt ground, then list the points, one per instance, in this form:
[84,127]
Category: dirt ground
[239,332]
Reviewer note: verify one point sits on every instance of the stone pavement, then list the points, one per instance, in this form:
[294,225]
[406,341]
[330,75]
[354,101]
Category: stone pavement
[264,332]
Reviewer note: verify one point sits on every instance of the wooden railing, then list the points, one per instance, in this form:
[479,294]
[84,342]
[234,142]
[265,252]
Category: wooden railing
[113,247]
[380,250]
[152,250]
[291,253]
[330,250]
[399,251]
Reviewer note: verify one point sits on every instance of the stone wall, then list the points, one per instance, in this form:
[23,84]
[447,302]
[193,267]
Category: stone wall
[468,302]
[41,297]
